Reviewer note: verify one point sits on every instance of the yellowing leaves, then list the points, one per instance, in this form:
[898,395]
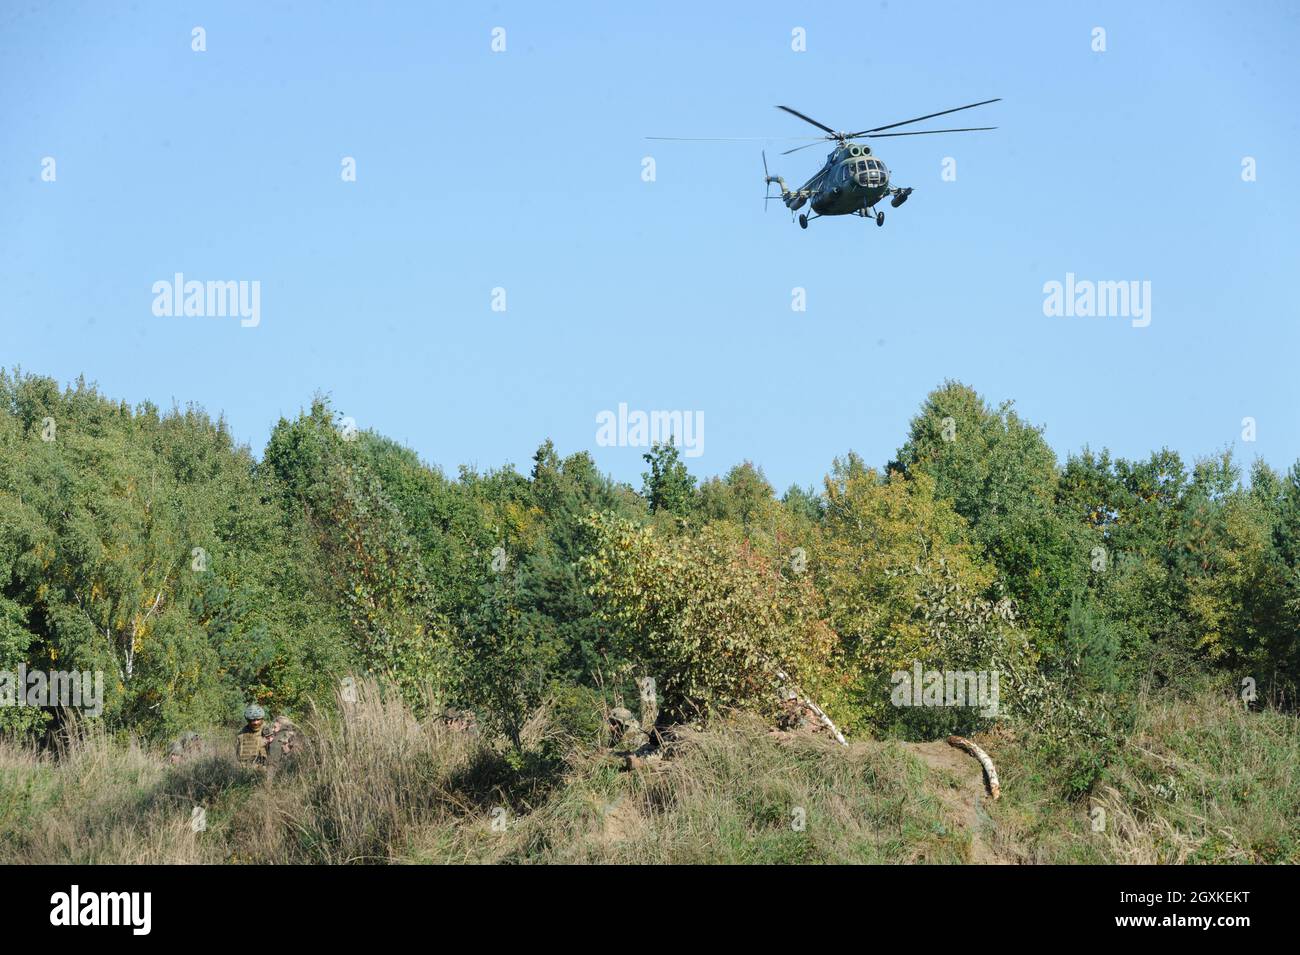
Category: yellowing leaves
[708,620]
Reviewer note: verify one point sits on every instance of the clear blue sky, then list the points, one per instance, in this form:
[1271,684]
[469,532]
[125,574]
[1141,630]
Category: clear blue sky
[522,170]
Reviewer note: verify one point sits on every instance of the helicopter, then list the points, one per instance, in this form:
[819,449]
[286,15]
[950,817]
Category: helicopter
[852,181]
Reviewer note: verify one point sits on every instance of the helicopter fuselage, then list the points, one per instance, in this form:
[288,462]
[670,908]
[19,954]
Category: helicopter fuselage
[851,181]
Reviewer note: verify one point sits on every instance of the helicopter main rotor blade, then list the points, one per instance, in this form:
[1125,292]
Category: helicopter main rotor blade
[944,112]
[805,146]
[809,119]
[927,132]
[734,139]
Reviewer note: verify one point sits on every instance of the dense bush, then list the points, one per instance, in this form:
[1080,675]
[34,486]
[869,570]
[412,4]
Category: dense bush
[714,623]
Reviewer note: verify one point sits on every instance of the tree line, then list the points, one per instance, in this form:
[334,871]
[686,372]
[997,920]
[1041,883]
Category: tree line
[152,546]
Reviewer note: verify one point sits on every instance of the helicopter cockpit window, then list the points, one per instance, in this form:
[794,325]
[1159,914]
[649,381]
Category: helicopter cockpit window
[871,172]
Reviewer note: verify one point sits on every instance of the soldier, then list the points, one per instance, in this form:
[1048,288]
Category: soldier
[284,740]
[627,730]
[188,745]
[250,744]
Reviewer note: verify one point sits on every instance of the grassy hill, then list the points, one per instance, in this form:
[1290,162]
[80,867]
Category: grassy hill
[1200,780]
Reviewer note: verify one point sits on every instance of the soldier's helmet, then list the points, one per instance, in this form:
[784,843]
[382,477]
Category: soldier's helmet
[254,712]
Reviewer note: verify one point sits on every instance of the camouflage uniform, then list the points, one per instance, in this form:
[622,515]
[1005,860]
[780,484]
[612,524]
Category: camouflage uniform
[284,740]
[188,745]
[251,744]
[627,730]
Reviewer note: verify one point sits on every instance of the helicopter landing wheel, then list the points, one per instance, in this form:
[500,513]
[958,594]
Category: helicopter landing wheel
[803,221]
[880,218]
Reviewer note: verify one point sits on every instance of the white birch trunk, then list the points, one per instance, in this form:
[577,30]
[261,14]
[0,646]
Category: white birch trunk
[962,743]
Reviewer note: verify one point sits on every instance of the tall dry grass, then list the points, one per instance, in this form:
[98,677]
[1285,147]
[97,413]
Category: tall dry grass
[93,799]
[371,776]
[377,785]
[1198,781]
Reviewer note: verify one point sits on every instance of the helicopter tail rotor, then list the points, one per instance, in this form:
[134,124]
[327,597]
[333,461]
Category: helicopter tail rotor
[784,195]
[767,182]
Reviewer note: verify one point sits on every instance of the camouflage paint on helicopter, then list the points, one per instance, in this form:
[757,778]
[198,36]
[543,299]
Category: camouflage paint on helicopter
[852,180]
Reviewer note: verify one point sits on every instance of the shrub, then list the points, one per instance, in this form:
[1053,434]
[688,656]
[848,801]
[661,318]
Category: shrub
[710,620]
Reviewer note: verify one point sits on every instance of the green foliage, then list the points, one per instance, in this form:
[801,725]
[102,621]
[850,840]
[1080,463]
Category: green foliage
[668,486]
[966,633]
[1092,646]
[376,570]
[711,621]
[15,643]
[887,543]
[578,714]
[504,657]
[151,547]
[1000,475]
[742,497]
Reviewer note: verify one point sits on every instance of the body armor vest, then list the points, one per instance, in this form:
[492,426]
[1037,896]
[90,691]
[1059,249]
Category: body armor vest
[252,748]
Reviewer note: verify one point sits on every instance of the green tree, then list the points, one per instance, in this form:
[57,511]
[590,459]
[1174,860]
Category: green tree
[377,572]
[885,540]
[1000,475]
[505,658]
[668,486]
[147,547]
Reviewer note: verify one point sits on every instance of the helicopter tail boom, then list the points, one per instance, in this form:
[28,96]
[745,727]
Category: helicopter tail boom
[768,180]
[793,200]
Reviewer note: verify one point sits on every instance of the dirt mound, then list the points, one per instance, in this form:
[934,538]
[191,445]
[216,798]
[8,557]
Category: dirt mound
[957,781]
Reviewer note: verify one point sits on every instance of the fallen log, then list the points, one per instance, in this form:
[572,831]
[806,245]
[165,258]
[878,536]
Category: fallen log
[990,771]
[817,710]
